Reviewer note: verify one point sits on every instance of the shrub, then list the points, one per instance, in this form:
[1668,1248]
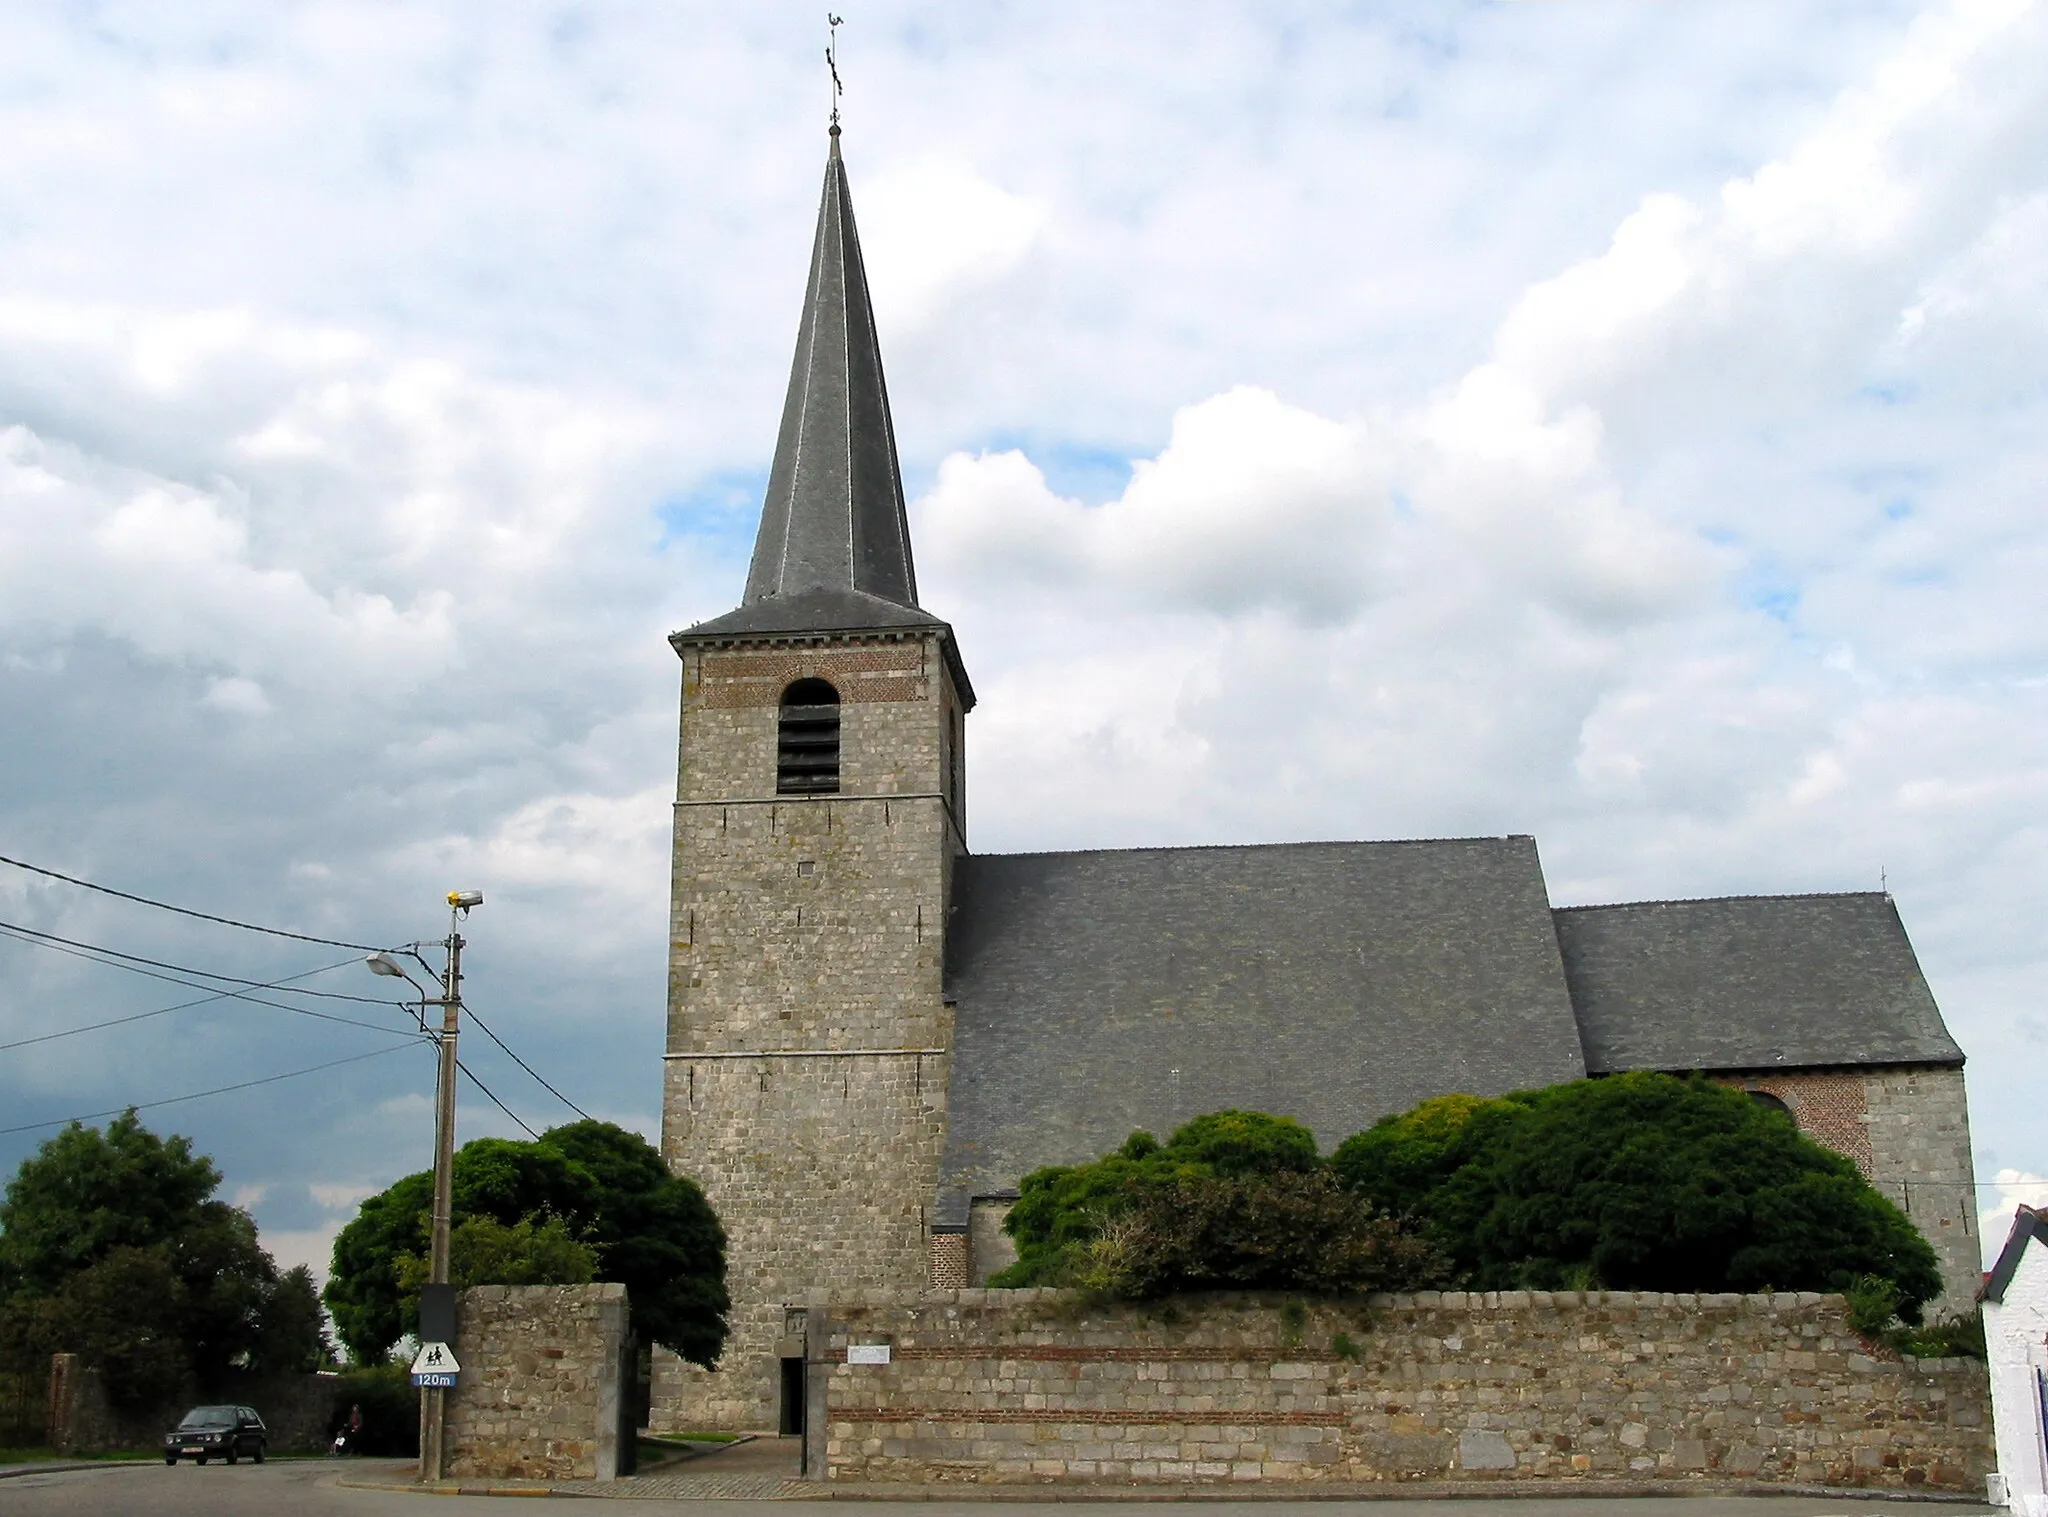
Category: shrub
[1061,1210]
[1287,1231]
[1638,1182]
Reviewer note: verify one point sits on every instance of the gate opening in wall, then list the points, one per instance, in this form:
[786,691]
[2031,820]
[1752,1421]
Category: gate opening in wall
[792,1398]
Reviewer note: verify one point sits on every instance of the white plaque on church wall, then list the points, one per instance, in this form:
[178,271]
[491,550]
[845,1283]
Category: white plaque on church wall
[867,1353]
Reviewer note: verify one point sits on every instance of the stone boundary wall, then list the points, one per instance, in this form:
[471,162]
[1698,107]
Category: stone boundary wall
[82,1419]
[1021,1386]
[542,1391]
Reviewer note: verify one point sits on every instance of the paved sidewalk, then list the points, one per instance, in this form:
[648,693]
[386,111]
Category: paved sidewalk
[759,1469]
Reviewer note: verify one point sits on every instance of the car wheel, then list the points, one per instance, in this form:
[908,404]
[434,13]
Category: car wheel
[258,1455]
[170,1459]
[234,1454]
[199,1459]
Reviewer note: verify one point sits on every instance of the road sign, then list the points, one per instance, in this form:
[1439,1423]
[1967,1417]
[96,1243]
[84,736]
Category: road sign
[435,1365]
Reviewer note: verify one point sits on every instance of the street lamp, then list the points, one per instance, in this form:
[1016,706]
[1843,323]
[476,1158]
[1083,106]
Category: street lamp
[434,1407]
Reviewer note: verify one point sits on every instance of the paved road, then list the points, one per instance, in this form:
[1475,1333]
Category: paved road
[307,1487]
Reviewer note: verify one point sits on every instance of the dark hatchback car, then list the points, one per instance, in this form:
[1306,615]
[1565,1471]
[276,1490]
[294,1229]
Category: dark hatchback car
[217,1432]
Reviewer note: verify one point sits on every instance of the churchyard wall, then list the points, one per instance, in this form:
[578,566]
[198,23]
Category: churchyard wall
[1016,1387]
[297,1410]
[543,1385]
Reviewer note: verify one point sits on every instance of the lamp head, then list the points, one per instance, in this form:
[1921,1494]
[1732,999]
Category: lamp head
[462,900]
[384,964]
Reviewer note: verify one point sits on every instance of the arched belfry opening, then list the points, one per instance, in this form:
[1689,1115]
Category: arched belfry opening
[807,740]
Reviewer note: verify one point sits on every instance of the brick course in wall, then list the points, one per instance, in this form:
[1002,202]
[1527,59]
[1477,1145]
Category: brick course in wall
[1006,1387]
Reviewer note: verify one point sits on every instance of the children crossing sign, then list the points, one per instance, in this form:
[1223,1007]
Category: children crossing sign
[435,1365]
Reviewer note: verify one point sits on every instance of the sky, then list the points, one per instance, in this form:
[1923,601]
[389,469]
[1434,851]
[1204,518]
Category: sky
[1619,422]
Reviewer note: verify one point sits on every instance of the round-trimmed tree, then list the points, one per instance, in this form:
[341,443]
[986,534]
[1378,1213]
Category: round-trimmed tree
[604,1187]
[1637,1182]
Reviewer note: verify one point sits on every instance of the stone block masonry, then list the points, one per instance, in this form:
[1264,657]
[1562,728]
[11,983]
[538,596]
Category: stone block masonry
[1907,1130]
[542,1393]
[1017,1387]
[809,1041]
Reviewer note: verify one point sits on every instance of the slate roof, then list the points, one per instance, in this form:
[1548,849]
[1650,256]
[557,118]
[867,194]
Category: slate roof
[808,612]
[1332,982]
[833,518]
[1749,982]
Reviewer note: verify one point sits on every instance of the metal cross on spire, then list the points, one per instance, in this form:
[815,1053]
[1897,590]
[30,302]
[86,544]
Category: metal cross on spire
[832,25]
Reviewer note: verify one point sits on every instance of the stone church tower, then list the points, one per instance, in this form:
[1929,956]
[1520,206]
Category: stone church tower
[819,811]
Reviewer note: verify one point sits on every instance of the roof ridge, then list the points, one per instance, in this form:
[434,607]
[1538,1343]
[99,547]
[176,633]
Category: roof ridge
[1704,900]
[1046,853]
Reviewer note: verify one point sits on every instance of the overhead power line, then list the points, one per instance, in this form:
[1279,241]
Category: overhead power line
[528,1068]
[187,911]
[219,1090]
[508,1111]
[144,1016]
[204,974]
[43,940]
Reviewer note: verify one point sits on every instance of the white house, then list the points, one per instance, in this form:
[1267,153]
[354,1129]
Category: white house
[2016,1336]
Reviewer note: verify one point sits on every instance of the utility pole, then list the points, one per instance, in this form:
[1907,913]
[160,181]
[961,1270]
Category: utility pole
[434,1401]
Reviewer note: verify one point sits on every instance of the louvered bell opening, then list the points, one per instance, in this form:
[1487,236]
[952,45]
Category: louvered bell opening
[807,741]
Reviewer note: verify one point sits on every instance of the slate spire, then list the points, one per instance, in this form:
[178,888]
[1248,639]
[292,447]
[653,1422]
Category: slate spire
[834,520]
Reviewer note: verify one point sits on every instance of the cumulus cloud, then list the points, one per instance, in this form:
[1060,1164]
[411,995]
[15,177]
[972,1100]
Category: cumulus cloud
[935,233]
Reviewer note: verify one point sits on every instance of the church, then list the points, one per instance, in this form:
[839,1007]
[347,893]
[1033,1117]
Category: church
[874,1033]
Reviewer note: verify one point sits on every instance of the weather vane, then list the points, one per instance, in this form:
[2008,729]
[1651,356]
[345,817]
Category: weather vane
[832,24]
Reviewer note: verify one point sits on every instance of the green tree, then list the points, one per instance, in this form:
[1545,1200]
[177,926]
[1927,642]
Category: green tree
[293,1335]
[85,1193]
[1639,1182]
[1062,1211]
[485,1251]
[605,1188]
[113,1246]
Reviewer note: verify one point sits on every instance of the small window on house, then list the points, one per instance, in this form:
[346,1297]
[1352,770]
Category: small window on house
[807,740]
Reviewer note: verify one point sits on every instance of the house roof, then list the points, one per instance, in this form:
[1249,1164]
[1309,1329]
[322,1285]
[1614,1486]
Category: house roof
[1749,982]
[1335,983]
[2028,1226]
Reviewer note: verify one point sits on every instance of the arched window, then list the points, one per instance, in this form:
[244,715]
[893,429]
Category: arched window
[807,740]
[1770,1102]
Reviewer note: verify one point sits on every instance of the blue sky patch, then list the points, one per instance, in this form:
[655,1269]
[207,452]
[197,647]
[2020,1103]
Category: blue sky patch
[722,508]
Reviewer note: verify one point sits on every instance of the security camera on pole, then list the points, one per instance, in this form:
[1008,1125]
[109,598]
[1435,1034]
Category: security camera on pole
[435,1370]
